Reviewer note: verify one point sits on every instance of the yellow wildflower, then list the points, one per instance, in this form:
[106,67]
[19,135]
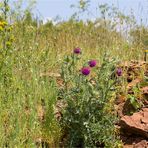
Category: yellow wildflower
[1,28]
[8,43]
[3,24]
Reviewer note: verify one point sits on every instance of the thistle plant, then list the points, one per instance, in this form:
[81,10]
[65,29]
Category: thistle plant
[92,63]
[89,115]
[119,72]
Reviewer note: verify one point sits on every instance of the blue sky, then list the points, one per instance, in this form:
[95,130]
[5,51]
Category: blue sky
[53,8]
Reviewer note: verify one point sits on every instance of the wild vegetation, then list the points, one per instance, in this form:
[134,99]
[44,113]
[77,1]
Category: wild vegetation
[36,57]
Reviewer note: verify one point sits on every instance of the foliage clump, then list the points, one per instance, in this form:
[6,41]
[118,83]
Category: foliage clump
[89,116]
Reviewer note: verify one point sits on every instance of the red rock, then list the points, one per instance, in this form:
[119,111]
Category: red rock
[145,114]
[137,123]
[128,146]
[141,144]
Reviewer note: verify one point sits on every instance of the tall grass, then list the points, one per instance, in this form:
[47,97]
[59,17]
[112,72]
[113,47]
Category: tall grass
[26,99]
[116,33]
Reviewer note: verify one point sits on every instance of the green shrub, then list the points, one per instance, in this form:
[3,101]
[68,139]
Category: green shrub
[88,118]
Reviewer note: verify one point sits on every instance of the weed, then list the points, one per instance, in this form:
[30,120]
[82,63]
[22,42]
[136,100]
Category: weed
[89,114]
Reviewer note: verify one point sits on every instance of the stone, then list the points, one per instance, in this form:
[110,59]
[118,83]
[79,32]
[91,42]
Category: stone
[141,144]
[137,123]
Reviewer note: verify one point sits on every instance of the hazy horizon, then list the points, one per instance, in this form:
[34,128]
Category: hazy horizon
[50,9]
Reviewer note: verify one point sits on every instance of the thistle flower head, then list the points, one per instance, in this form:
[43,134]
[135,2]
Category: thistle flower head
[119,72]
[77,50]
[92,63]
[85,71]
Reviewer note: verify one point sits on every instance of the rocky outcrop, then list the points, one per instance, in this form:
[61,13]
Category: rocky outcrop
[137,123]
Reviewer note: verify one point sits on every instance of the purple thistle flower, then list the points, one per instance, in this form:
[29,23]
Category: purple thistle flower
[77,50]
[92,63]
[85,71]
[119,72]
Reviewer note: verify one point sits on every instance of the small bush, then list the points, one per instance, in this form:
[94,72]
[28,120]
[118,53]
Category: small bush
[89,117]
